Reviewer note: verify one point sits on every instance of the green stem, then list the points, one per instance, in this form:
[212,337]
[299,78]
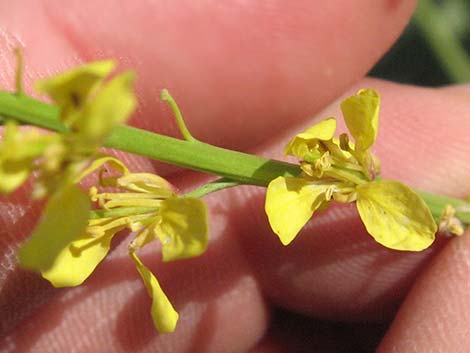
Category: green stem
[166,96]
[19,73]
[213,186]
[241,167]
[30,111]
[437,203]
[235,167]
[443,41]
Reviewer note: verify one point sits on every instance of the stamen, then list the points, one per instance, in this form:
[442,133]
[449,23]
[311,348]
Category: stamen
[98,227]
[344,175]
[449,224]
[132,203]
[323,164]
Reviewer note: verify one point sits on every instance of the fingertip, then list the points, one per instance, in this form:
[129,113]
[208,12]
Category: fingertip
[235,69]
[435,315]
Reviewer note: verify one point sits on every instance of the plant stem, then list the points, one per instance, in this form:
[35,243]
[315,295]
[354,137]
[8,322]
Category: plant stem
[437,203]
[165,95]
[238,166]
[30,111]
[235,167]
[19,73]
[213,186]
[447,48]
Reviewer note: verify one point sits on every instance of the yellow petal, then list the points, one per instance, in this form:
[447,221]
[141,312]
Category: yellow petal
[13,171]
[18,150]
[305,141]
[146,183]
[335,149]
[183,228]
[163,314]
[71,89]
[63,220]
[12,175]
[113,105]
[98,162]
[77,261]
[395,215]
[290,203]
[361,114]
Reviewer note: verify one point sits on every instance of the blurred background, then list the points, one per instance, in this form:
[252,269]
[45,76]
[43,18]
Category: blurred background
[434,50]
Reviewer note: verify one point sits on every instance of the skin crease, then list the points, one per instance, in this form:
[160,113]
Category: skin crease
[285,70]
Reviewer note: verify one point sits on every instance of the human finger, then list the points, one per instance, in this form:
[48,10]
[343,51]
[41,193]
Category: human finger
[435,315]
[286,68]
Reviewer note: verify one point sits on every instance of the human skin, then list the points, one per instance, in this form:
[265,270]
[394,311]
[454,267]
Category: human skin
[248,76]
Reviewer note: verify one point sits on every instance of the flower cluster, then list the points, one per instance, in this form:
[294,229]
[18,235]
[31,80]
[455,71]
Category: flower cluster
[345,171]
[70,239]
[90,110]
[147,205]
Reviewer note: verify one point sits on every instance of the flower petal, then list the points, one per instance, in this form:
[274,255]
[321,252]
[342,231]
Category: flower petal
[77,261]
[361,114]
[303,142]
[98,162]
[112,105]
[395,215]
[183,228]
[14,170]
[64,219]
[19,150]
[290,203]
[163,313]
[12,175]
[70,90]
[146,183]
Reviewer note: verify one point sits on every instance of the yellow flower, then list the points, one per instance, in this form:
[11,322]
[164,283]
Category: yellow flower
[90,109]
[336,169]
[66,245]
[71,90]
[147,205]
[62,160]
